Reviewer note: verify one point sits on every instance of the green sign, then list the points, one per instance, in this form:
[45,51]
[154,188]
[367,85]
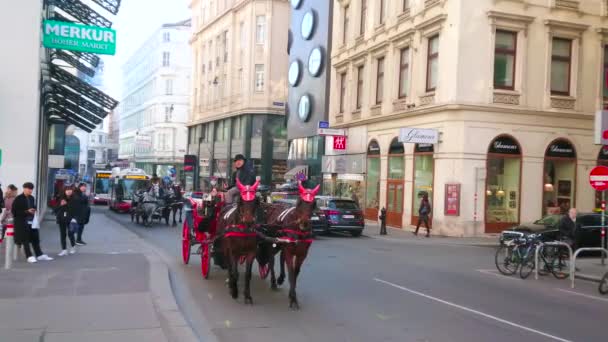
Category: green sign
[77,37]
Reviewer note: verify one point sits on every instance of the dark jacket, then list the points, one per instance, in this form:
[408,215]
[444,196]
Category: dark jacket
[21,205]
[425,208]
[567,227]
[1,199]
[61,211]
[78,208]
[246,174]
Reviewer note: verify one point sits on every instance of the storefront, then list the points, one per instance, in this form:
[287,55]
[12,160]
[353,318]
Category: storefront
[559,177]
[424,170]
[344,176]
[395,184]
[503,184]
[372,189]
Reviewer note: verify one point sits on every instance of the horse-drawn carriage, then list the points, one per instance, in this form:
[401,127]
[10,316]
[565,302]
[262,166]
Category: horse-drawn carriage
[153,204]
[247,231]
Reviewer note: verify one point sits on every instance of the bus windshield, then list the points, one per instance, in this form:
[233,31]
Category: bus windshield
[102,186]
[129,186]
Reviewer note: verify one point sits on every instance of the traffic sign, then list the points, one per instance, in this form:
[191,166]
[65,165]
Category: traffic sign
[330,131]
[323,124]
[598,178]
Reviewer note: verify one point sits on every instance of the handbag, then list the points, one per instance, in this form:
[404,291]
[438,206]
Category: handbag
[36,222]
[73,227]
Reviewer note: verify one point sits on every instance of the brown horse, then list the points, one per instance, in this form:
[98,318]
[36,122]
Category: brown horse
[292,226]
[238,238]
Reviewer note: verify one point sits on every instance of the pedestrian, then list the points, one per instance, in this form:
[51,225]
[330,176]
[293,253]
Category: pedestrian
[244,173]
[84,212]
[423,215]
[7,215]
[26,230]
[68,208]
[567,228]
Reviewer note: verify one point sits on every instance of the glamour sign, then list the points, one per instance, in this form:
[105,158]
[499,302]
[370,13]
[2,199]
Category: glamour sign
[418,136]
[77,37]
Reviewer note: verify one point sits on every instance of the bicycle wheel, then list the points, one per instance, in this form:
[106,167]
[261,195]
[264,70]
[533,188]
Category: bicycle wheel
[527,266]
[560,267]
[603,288]
[505,260]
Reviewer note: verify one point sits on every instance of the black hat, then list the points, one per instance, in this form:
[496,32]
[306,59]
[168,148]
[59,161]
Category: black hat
[240,157]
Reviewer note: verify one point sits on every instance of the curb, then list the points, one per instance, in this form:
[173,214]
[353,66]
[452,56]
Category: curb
[432,242]
[173,323]
[588,277]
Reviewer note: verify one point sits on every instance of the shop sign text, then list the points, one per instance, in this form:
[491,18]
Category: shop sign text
[418,136]
[77,37]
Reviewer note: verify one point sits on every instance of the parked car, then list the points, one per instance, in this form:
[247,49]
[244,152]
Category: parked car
[343,215]
[318,220]
[588,229]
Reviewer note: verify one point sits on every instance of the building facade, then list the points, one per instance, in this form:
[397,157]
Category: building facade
[239,88]
[500,95]
[154,109]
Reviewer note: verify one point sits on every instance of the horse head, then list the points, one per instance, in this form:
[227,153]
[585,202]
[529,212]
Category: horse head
[305,205]
[247,205]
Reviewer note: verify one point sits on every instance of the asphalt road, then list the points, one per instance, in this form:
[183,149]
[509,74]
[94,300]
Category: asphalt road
[367,289]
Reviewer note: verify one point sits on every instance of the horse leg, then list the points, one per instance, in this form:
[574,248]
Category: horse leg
[281,279]
[180,213]
[174,209]
[289,260]
[250,259]
[273,279]
[234,276]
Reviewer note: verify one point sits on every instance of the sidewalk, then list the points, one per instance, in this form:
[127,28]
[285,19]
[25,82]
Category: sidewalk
[590,268]
[114,289]
[372,229]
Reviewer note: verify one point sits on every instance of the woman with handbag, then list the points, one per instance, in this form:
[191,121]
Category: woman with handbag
[26,224]
[68,206]
[423,215]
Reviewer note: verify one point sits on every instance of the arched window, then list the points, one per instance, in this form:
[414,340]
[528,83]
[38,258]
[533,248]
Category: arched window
[395,183]
[503,184]
[559,177]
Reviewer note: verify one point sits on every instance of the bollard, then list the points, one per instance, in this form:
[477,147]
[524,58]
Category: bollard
[383,221]
[9,241]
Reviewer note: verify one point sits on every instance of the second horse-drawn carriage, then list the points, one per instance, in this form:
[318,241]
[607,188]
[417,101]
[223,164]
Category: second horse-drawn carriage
[247,231]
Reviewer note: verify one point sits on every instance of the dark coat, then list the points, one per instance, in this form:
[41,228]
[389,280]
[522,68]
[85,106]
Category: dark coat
[425,208]
[246,174]
[21,217]
[1,199]
[82,212]
[61,212]
[567,227]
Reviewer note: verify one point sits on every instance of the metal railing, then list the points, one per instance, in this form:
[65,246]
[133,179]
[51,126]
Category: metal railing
[554,243]
[573,259]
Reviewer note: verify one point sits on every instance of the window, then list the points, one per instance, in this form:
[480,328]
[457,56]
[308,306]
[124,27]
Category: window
[382,3]
[168,114]
[561,60]
[259,77]
[406,5]
[260,29]
[363,16]
[242,34]
[219,131]
[342,91]
[168,87]
[380,81]
[404,64]
[166,37]
[345,25]
[504,60]
[237,128]
[166,59]
[360,71]
[100,139]
[225,44]
[432,63]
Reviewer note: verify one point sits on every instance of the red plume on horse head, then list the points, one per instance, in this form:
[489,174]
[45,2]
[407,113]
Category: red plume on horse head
[247,191]
[308,195]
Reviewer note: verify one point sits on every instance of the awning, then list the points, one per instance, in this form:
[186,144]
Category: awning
[300,170]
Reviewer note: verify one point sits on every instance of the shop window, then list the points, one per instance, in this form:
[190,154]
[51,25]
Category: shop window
[559,177]
[395,183]
[372,192]
[423,176]
[503,184]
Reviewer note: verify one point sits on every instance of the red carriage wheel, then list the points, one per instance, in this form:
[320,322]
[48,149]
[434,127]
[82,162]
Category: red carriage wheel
[242,259]
[205,260]
[186,243]
[264,270]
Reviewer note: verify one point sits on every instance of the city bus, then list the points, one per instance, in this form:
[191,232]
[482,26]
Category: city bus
[123,184]
[101,187]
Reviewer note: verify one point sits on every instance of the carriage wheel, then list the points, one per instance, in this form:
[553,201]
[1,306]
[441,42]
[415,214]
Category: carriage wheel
[264,270]
[205,260]
[186,243]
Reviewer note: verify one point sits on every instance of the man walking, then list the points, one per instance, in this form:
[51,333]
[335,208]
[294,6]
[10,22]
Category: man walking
[85,213]
[24,213]
[245,175]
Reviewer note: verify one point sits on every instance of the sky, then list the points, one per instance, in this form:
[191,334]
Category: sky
[135,22]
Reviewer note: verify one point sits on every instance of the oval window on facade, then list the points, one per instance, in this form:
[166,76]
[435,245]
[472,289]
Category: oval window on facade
[559,177]
[503,184]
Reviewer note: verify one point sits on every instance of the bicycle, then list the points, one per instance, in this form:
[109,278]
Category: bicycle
[509,255]
[554,259]
[603,288]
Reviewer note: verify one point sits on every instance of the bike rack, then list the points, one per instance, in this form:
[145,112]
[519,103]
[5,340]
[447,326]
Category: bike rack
[554,243]
[578,251]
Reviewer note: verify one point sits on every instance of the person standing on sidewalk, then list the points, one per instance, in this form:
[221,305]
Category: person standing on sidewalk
[7,215]
[24,213]
[68,209]
[423,215]
[85,212]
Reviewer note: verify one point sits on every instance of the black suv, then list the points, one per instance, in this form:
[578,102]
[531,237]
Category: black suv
[588,229]
[343,214]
